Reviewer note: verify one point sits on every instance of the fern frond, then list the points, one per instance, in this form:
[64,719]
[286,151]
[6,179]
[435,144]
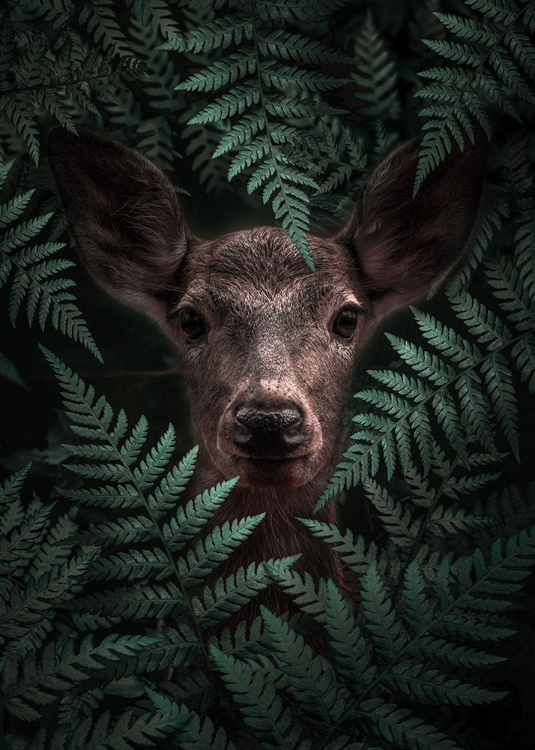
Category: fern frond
[99,18]
[352,549]
[68,667]
[380,617]
[155,601]
[376,75]
[256,73]
[10,490]
[402,529]
[492,62]
[259,702]
[196,514]
[310,678]
[133,564]
[228,595]
[132,729]
[18,549]
[167,493]
[431,685]
[402,727]
[25,609]
[352,655]
[34,271]
[216,547]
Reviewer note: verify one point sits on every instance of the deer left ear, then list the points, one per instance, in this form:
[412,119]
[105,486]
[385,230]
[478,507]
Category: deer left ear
[123,210]
[404,245]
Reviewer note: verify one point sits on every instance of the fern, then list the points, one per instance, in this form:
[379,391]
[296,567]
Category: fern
[495,65]
[255,75]
[466,388]
[376,77]
[58,75]
[34,273]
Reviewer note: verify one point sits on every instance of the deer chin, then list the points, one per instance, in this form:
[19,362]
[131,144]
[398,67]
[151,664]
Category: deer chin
[265,473]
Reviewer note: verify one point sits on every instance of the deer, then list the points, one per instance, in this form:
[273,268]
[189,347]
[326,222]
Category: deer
[267,346]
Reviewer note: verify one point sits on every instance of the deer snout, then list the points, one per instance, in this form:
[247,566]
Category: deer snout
[268,432]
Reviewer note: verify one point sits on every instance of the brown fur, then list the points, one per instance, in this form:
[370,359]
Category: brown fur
[269,318]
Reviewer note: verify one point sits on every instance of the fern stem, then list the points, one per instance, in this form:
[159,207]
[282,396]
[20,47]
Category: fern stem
[262,103]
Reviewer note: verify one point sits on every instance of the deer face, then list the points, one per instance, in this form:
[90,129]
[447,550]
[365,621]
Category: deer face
[268,346]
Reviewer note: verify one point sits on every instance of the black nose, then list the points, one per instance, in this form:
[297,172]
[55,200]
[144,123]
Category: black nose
[268,432]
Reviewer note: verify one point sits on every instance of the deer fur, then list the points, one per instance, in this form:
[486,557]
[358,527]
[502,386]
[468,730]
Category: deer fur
[270,349]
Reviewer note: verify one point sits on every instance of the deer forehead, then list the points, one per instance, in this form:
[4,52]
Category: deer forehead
[265,255]
[260,271]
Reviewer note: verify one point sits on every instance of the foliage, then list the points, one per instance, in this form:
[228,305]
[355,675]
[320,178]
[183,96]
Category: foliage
[268,100]
[118,624]
[494,66]
[33,270]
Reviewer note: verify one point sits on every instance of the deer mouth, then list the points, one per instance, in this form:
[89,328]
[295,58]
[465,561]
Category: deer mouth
[291,471]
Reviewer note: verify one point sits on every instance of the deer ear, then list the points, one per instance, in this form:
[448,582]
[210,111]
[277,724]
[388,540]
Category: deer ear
[404,245]
[125,217]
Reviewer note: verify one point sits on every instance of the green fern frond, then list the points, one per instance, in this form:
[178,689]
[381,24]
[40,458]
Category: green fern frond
[132,729]
[150,564]
[431,685]
[352,549]
[34,274]
[168,491]
[493,62]
[228,595]
[255,75]
[18,549]
[216,547]
[10,490]
[67,666]
[259,702]
[352,655]
[99,18]
[380,617]
[402,529]
[307,593]
[154,601]
[219,34]
[157,14]
[449,521]
[376,75]
[401,727]
[26,608]
[310,678]
[196,514]
[465,387]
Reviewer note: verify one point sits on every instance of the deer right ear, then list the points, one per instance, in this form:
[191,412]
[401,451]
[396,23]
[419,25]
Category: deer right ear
[124,213]
[405,245]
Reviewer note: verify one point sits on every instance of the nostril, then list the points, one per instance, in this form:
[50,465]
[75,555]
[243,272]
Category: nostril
[280,420]
[263,431]
[241,434]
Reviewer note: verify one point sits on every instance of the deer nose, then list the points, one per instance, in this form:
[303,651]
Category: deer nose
[268,432]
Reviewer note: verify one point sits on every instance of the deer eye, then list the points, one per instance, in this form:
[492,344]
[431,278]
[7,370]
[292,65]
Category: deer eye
[345,323]
[192,324]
